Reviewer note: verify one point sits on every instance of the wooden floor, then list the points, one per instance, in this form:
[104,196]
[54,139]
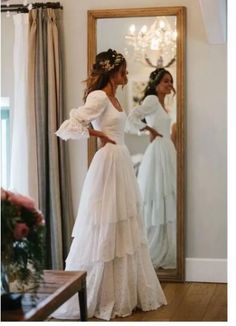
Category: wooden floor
[186,302]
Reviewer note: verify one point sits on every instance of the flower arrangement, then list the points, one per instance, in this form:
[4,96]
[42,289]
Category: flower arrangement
[22,239]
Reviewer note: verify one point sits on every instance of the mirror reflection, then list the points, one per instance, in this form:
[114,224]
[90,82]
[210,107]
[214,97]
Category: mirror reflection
[156,173]
[151,39]
[149,45]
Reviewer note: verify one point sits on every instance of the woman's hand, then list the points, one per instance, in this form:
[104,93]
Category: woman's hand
[104,140]
[153,133]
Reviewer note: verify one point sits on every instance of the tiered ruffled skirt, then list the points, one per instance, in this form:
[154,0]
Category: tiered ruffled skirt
[109,242]
[157,182]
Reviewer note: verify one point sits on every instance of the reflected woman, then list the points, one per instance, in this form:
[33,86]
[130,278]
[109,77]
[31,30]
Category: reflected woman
[109,239]
[157,172]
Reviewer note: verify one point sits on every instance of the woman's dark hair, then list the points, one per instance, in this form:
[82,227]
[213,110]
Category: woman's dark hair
[155,79]
[106,65]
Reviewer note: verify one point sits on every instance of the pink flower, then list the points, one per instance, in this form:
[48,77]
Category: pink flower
[21,230]
[21,200]
[3,194]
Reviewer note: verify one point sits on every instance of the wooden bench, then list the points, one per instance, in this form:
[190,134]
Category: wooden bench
[55,289]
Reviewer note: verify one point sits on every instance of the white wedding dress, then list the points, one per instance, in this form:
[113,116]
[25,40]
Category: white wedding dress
[157,183]
[109,239]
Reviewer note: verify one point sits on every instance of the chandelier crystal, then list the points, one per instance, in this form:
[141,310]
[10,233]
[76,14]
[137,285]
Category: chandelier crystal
[160,38]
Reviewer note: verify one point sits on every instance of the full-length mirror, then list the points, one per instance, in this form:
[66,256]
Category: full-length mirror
[152,38]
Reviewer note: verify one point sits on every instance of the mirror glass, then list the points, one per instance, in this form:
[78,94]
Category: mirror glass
[153,39]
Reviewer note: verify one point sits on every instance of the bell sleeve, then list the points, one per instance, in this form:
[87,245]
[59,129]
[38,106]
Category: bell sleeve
[135,117]
[76,127]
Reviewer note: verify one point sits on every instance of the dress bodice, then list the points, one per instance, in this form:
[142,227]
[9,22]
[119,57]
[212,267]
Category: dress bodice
[160,121]
[99,111]
[112,123]
[155,115]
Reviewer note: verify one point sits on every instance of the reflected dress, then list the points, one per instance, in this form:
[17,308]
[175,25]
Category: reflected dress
[157,182]
[108,236]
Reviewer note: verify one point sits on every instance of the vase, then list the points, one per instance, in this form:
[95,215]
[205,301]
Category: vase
[9,301]
[4,280]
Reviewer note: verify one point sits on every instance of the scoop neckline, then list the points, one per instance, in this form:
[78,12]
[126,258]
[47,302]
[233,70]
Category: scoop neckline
[111,102]
[163,108]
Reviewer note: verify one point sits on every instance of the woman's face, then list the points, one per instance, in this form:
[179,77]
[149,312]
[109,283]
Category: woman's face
[166,85]
[120,77]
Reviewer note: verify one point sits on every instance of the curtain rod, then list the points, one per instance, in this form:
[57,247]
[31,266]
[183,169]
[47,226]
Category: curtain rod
[22,8]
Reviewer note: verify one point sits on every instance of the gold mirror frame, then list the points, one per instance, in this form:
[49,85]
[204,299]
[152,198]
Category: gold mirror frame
[177,275]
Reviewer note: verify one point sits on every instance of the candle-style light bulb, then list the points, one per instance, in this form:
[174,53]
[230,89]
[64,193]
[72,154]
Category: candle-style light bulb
[132,29]
[143,29]
[162,24]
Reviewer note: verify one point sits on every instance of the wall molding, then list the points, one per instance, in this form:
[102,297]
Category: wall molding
[206,270]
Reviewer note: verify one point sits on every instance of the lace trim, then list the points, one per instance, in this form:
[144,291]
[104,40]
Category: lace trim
[72,129]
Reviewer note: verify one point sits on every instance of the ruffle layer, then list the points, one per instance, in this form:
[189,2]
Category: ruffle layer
[157,172]
[157,182]
[159,211]
[162,245]
[116,287]
[73,128]
[104,242]
[110,192]
[109,228]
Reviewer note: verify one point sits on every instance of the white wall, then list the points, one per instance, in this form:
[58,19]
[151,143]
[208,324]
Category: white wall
[205,121]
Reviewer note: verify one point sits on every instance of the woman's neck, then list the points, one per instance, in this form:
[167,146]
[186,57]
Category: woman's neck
[161,98]
[110,89]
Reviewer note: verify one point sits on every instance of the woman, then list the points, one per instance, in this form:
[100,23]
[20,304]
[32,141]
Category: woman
[109,241]
[157,172]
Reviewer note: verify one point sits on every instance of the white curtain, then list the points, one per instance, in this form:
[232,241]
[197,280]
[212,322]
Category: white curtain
[20,160]
[39,161]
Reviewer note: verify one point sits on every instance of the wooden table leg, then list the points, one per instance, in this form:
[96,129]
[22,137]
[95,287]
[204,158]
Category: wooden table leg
[83,302]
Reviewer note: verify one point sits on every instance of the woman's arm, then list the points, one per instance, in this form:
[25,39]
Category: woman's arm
[99,134]
[153,133]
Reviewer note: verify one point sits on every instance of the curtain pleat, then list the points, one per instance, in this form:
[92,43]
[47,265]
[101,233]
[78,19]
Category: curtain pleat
[31,123]
[41,116]
[53,103]
[52,159]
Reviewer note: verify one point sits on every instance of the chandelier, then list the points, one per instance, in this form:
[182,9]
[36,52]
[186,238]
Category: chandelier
[159,39]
